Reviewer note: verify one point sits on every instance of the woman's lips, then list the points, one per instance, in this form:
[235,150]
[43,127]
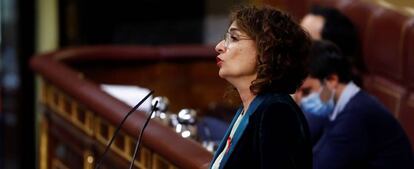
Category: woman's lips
[219,61]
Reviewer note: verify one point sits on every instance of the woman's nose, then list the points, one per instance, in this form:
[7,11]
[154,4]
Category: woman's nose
[220,47]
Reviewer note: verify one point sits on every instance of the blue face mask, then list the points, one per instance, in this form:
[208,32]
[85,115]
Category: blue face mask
[314,105]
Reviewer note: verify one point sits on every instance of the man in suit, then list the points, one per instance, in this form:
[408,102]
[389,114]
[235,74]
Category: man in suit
[358,131]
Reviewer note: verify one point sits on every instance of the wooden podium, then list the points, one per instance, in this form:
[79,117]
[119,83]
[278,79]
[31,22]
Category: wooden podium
[77,118]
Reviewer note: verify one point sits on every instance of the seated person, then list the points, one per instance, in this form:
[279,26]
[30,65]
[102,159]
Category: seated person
[325,23]
[359,131]
[313,112]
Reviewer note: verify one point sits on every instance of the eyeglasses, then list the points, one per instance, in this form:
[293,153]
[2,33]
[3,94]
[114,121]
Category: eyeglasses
[232,38]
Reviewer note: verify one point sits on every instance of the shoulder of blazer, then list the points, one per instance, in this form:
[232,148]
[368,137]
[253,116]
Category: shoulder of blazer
[278,100]
[277,106]
[283,110]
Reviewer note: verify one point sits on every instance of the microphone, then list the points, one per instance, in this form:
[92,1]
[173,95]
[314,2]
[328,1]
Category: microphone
[140,136]
[119,127]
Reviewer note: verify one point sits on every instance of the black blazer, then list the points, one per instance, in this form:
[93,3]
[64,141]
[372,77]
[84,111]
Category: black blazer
[272,134]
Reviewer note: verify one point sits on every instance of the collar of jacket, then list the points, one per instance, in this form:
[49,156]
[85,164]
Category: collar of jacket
[242,126]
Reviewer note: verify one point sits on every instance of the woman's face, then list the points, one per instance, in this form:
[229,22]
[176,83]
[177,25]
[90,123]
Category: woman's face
[237,57]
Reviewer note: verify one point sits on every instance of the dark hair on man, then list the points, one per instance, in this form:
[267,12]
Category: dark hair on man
[282,45]
[339,30]
[326,59]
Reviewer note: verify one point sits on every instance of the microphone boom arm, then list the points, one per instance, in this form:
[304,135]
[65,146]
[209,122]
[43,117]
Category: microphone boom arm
[119,127]
[140,136]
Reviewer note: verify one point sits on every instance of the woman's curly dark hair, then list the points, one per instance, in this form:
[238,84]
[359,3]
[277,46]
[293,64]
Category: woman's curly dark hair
[283,47]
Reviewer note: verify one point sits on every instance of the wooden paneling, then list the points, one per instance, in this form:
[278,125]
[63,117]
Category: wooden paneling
[297,8]
[383,43]
[408,53]
[389,93]
[181,81]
